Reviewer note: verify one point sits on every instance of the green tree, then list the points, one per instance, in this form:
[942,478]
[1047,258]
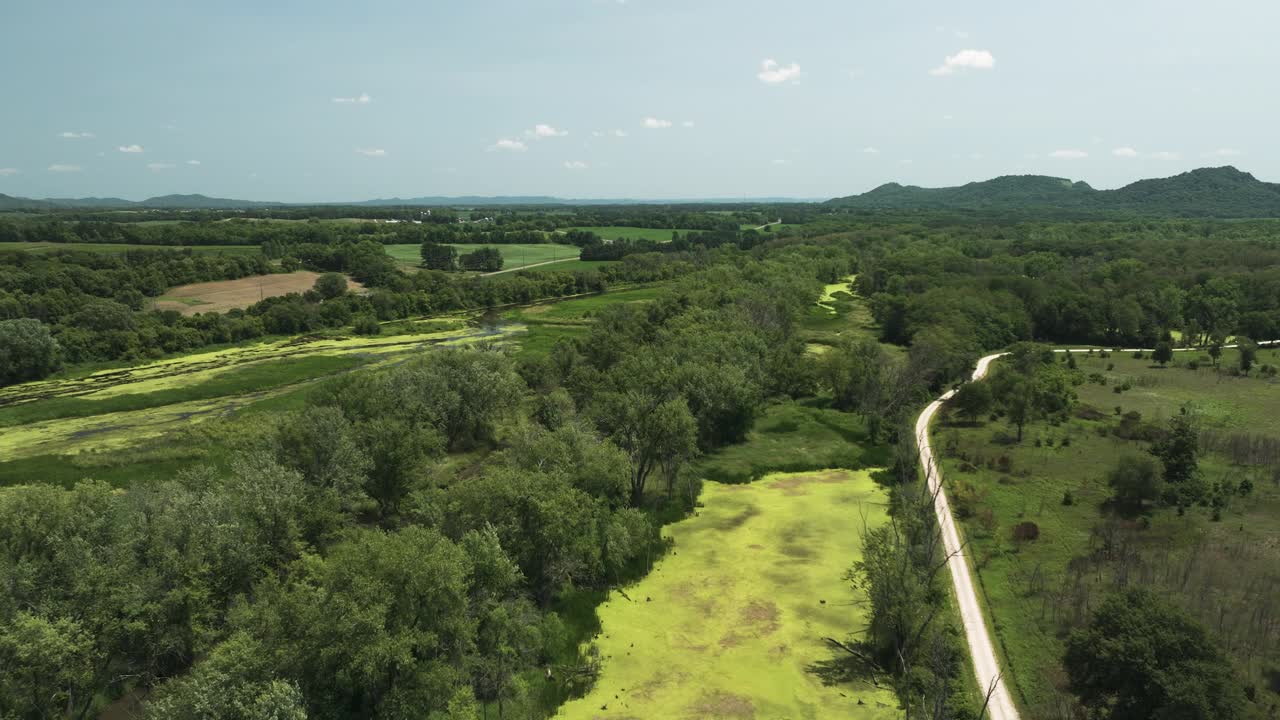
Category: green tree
[973,400]
[1248,350]
[1140,658]
[1163,353]
[398,453]
[331,285]
[1135,480]
[27,351]
[1179,453]
[652,431]
[436,256]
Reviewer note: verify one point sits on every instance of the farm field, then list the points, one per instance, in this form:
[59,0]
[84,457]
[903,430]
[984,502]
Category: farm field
[513,256]
[730,624]
[224,295]
[1035,590]
[121,247]
[633,233]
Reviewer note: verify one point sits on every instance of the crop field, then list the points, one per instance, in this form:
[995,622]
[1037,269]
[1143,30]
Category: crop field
[120,408]
[121,247]
[633,233]
[513,256]
[1036,589]
[225,295]
[731,623]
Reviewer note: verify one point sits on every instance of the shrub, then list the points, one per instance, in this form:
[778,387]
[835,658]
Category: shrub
[366,325]
[1026,531]
[1068,499]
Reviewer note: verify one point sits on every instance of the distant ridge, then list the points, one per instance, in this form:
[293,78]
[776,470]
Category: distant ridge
[203,202]
[1206,192]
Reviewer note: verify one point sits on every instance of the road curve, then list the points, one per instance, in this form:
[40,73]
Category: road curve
[981,649]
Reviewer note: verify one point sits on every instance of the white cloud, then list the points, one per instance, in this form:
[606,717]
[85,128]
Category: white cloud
[779,161]
[653,123]
[75,135]
[1224,152]
[6,172]
[361,99]
[545,131]
[158,166]
[193,162]
[508,145]
[687,123]
[871,151]
[372,152]
[975,156]
[130,148]
[1125,152]
[772,73]
[1068,154]
[1165,155]
[59,168]
[907,161]
[965,59]
[948,118]
[619,133]
[575,165]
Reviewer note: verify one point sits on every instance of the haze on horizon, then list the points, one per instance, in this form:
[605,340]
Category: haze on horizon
[326,101]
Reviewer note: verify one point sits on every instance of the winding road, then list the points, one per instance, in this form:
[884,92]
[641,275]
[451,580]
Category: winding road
[985,663]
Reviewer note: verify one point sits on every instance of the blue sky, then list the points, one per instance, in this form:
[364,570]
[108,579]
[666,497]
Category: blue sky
[321,100]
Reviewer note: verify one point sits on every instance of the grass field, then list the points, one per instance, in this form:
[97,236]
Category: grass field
[573,266]
[1037,590]
[730,624]
[633,233]
[122,408]
[795,437]
[549,322]
[513,256]
[224,295]
[120,247]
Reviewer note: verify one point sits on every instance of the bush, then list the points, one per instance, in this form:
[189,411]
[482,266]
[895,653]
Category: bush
[1068,499]
[367,325]
[27,351]
[1026,532]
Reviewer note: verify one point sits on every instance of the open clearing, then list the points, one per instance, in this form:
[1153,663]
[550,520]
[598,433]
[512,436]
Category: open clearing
[730,624]
[513,256]
[226,295]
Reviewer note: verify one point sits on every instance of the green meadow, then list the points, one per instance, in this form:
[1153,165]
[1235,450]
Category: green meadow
[1036,590]
[513,256]
[730,624]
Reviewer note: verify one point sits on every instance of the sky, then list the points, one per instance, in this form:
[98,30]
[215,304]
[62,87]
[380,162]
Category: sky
[319,100]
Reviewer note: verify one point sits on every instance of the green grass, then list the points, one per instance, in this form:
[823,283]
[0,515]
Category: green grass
[633,233]
[121,247]
[512,255]
[251,379]
[573,266]
[795,437]
[730,624]
[1030,591]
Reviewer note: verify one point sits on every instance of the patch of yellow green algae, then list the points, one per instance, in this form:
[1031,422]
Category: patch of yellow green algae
[829,293]
[729,624]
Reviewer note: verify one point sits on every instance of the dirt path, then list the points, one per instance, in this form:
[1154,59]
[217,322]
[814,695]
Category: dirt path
[985,663]
[526,267]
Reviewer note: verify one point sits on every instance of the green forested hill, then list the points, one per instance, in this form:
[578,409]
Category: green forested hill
[1215,192]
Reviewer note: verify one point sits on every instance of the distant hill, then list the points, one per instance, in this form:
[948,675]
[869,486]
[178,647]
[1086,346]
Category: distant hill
[200,202]
[203,202]
[10,203]
[1206,192]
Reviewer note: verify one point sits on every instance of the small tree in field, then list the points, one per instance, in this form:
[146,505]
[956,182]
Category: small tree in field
[331,285]
[1163,353]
